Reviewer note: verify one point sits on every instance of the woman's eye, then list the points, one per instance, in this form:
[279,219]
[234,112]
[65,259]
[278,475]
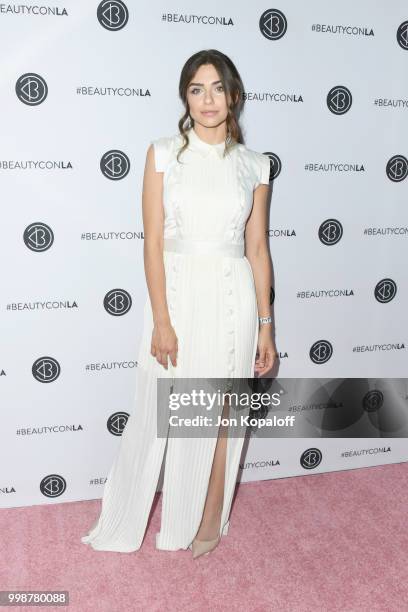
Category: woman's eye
[196,90]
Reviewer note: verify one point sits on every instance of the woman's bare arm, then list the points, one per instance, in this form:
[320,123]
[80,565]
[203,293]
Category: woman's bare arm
[256,248]
[164,340]
[153,224]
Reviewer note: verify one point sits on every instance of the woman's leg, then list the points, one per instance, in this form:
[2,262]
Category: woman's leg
[210,523]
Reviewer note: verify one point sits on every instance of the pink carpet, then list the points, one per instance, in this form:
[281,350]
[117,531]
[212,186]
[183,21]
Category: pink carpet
[323,542]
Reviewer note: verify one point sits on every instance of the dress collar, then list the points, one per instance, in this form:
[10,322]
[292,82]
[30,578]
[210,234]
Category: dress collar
[202,147]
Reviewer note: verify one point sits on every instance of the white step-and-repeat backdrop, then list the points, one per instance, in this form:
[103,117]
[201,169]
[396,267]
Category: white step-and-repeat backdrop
[84,88]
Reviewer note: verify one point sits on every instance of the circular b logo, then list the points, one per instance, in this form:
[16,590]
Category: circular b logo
[339,100]
[115,165]
[373,400]
[31,89]
[385,290]
[311,458]
[117,422]
[117,302]
[276,165]
[38,237]
[330,232]
[402,35]
[112,14]
[46,369]
[321,351]
[53,485]
[397,168]
[273,24]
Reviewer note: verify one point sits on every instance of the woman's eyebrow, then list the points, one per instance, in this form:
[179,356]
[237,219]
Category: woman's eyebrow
[202,84]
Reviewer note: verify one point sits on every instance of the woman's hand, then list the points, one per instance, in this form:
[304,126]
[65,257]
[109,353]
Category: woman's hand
[268,354]
[164,344]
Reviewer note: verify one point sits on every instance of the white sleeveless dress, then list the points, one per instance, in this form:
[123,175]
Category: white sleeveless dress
[212,305]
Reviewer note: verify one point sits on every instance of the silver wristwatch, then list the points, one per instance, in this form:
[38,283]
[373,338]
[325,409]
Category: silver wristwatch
[263,320]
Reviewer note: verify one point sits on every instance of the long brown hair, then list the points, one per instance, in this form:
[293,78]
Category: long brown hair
[233,88]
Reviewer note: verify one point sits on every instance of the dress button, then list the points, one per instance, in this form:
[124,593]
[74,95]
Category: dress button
[227,272]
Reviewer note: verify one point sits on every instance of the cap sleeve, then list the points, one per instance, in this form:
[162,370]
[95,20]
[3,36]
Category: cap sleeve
[162,152]
[263,169]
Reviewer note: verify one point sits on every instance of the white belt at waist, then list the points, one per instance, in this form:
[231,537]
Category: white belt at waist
[204,247]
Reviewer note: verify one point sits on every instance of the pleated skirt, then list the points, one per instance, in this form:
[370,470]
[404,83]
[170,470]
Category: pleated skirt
[213,309]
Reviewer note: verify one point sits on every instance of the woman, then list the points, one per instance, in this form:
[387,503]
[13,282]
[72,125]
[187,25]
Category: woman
[207,313]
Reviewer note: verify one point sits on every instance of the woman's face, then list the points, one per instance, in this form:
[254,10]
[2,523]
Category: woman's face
[206,97]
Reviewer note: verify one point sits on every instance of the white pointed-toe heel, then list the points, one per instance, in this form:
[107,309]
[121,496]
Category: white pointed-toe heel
[203,547]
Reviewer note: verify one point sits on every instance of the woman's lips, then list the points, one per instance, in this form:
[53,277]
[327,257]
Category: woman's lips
[209,113]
